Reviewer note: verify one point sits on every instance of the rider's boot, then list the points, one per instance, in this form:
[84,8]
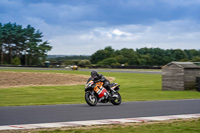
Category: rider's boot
[112,92]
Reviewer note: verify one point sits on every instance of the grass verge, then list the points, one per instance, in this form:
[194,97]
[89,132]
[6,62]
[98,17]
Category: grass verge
[134,87]
[181,126]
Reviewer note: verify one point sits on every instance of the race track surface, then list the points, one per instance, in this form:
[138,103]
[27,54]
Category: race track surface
[81,112]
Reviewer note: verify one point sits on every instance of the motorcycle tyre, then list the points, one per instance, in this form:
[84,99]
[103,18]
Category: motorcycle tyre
[119,101]
[87,94]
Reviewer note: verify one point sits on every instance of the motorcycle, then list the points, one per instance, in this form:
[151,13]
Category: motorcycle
[95,93]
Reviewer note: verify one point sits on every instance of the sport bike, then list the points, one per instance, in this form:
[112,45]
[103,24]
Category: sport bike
[95,92]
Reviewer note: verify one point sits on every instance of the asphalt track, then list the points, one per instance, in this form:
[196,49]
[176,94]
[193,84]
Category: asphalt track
[98,70]
[81,112]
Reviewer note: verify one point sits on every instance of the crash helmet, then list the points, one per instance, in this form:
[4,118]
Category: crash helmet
[94,73]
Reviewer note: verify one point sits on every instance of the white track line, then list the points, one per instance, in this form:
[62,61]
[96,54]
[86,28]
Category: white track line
[97,122]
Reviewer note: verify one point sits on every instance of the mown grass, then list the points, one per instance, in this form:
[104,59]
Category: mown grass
[134,87]
[182,126]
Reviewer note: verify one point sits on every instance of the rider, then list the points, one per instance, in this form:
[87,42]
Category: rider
[99,77]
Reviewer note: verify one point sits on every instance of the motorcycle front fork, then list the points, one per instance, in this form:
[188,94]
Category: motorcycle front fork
[92,93]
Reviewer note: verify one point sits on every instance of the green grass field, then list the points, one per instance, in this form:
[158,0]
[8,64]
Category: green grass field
[182,126]
[134,87]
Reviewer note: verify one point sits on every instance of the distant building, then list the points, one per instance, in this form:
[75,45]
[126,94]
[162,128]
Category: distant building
[180,76]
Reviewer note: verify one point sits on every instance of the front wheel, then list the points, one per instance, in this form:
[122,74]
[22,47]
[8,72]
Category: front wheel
[90,99]
[117,100]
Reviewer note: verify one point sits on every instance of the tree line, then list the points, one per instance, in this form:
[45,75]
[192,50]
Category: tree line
[68,57]
[22,46]
[67,60]
[129,57]
[142,56]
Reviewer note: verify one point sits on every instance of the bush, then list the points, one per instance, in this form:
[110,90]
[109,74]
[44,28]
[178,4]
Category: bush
[196,59]
[16,61]
[84,63]
[108,61]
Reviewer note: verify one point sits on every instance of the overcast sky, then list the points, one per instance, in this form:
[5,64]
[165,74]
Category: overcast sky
[81,27]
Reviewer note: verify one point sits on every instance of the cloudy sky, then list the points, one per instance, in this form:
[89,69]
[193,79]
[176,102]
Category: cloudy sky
[81,27]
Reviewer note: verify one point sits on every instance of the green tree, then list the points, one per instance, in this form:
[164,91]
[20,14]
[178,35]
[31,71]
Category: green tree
[107,62]
[102,54]
[130,55]
[178,54]
[7,38]
[158,56]
[196,59]
[145,56]
[84,63]
[121,59]
[25,43]
[191,53]
[110,50]
[16,61]
[1,44]
[146,60]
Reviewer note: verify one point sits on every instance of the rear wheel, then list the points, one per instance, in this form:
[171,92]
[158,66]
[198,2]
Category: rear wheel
[90,99]
[117,100]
